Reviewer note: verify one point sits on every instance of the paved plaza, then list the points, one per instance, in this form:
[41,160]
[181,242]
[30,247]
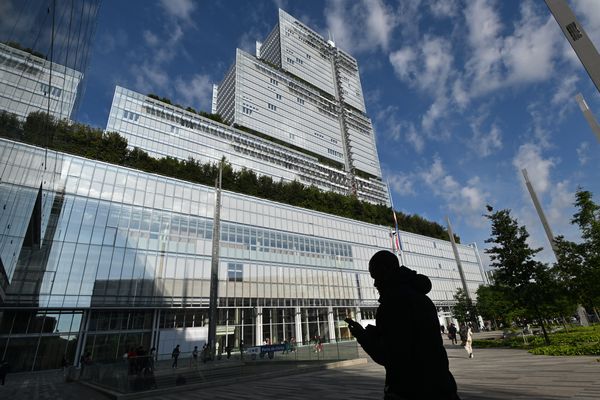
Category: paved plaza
[492,374]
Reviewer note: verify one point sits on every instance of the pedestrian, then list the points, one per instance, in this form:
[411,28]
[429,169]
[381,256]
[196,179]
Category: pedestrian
[462,333]
[442,329]
[469,341]
[195,357]
[175,356]
[151,357]
[406,337]
[205,353]
[452,333]
[4,367]
[228,351]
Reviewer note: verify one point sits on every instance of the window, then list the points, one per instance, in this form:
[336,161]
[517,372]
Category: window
[301,101]
[274,82]
[272,107]
[246,110]
[130,115]
[235,272]
[51,90]
[278,96]
[574,31]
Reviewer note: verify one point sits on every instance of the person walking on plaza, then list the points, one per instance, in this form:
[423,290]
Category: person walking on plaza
[195,357]
[175,356]
[406,337]
[452,333]
[468,341]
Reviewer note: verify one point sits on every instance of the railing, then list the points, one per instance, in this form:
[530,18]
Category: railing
[142,373]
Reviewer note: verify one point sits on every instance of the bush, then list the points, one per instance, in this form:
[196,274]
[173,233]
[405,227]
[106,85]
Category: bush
[577,341]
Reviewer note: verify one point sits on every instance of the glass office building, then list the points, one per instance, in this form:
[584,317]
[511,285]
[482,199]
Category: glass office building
[25,84]
[99,258]
[300,109]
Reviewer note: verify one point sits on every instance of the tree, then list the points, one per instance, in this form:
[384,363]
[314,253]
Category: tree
[464,310]
[494,303]
[578,264]
[516,270]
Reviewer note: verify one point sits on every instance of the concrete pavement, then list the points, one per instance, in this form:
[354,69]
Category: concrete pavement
[491,374]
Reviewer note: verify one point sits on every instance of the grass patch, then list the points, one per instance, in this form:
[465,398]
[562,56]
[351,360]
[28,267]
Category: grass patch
[579,341]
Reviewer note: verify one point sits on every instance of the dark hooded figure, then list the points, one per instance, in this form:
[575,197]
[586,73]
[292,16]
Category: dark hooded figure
[406,339]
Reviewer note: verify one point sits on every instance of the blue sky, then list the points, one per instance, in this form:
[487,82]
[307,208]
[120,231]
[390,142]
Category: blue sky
[462,93]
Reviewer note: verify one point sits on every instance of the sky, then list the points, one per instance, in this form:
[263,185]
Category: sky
[463,94]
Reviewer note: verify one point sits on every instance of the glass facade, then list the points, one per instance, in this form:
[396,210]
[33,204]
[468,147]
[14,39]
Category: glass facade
[24,84]
[100,258]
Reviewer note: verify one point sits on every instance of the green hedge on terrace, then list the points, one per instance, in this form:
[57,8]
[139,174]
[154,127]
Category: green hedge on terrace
[85,141]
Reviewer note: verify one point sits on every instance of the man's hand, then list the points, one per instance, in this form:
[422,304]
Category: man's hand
[356,329]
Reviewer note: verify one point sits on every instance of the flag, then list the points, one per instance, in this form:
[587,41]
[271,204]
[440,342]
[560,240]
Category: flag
[397,232]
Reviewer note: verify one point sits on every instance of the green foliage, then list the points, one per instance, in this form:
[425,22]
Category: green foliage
[79,139]
[576,341]
[29,50]
[584,349]
[526,282]
[495,303]
[578,265]
[464,310]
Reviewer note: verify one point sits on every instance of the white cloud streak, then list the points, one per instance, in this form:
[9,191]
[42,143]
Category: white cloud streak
[372,24]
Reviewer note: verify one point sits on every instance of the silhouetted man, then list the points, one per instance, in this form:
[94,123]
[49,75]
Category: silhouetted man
[406,339]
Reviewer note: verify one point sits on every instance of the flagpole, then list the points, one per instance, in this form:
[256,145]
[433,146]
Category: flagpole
[397,232]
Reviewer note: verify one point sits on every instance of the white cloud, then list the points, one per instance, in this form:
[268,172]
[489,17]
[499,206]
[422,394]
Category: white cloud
[566,90]
[443,8]
[179,9]
[435,112]
[404,63]
[150,78]
[466,200]
[484,143]
[401,184]
[538,168]
[150,38]
[427,66]
[583,153]
[415,139]
[372,24]
[196,91]
[524,56]
[588,12]
[560,204]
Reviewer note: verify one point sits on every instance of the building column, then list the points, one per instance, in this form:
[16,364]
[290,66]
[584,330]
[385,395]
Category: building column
[155,325]
[331,322]
[298,325]
[83,333]
[358,315]
[258,323]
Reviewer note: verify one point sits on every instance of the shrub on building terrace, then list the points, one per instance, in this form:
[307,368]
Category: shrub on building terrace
[42,130]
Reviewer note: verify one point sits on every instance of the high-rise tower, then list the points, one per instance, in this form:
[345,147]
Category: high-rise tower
[306,93]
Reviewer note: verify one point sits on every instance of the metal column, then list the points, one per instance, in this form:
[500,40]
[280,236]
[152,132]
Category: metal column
[214,269]
[457,257]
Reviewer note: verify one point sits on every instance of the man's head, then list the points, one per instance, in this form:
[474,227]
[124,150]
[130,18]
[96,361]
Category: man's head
[387,272]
